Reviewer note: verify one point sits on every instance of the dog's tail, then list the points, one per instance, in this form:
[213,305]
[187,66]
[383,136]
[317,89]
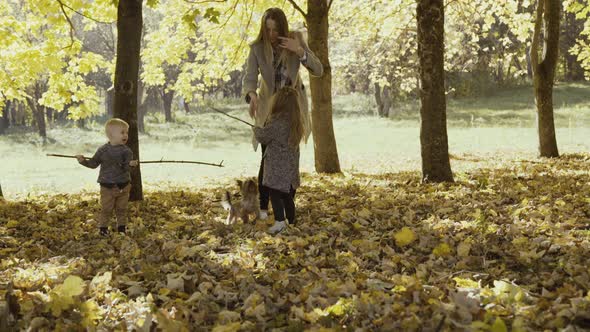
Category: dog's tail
[226,202]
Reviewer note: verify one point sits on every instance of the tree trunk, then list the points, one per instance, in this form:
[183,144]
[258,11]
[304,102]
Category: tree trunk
[62,116]
[436,166]
[325,150]
[129,25]
[49,112]
[12,116]
[41,123]
[167,98]
[500,73]
[387,100]
[509,71]
[22,115]
[548,14]
[378,99]
[572,28]
[40,120]
[141,106]
[4,122]
[109,101]
[38,112]
[1,194]
[529,66]
[141,112]
[186,107]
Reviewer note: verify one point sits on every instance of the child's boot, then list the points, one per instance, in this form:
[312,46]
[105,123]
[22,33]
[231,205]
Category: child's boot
[104,231]
[121,229]
[277,227]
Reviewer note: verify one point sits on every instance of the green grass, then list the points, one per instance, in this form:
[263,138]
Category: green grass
[513,107]
[502,128]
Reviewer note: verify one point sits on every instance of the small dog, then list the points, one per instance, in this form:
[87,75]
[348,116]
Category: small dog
[248,205]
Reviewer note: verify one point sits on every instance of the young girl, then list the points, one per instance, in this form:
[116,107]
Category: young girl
[281,134]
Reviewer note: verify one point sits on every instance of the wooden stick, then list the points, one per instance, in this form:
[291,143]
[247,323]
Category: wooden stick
[62,155]
[231,116]
[161,161]
[180,162]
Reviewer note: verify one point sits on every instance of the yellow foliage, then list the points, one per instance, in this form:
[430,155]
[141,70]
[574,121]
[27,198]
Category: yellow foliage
[466,283]
[463,248]
[442,250]
[404,237]
[499,326]
[179,263]
[91,312]
[63,296]
[231,327]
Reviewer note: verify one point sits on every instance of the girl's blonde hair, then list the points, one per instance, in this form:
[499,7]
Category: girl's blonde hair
[277,15]
[285,102]
[115,122]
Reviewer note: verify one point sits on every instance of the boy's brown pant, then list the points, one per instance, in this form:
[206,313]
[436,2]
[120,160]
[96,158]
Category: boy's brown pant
[114,199]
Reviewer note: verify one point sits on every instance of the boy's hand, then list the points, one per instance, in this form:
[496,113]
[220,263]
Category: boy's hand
[134,163]
[80,158]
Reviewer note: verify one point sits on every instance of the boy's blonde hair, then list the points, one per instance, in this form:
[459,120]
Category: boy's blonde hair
[115,122]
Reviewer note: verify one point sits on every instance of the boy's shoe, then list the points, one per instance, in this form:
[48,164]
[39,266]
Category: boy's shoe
[291,223]
[104,231]
[277,227]
[121,229]
[263,214]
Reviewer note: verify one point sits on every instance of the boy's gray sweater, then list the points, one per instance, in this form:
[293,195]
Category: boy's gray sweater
[114,163]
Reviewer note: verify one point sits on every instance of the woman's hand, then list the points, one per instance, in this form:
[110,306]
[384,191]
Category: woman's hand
[292,45]
[80,158]
[253,104]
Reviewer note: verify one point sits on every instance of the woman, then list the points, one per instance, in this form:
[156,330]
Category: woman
[276,55]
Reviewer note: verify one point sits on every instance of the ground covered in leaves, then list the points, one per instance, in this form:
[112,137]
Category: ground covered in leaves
[501,249]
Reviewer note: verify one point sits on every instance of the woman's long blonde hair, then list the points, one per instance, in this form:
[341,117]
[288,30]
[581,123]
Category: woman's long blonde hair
[277,15]
[285,102]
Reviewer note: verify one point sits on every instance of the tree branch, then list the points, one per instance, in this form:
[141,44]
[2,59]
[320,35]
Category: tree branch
[204,1]
[298,8]
[63,10]
[242,40]
[449,3]
[330,5]
[231,116]
[358,9]
[161,161]
[81,14]
[106,41]
[219,27]
[222,25]
[180,162]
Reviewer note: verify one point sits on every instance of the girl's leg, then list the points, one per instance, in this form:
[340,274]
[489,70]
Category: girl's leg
[262,190]
[278,207]
[289,201]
